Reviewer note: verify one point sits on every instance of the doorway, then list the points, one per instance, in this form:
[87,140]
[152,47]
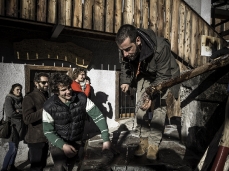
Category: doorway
[31,70]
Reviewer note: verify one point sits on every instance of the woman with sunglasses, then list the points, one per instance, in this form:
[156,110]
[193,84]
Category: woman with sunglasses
[13,112]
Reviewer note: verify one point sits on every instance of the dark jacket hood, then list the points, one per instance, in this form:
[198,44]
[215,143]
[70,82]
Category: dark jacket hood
[149,42]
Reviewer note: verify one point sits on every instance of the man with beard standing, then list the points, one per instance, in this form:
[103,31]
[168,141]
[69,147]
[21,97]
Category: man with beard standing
[32,108]
[146,60]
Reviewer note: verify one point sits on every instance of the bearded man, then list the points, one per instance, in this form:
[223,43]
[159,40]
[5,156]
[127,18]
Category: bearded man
[32,108]
[146,60]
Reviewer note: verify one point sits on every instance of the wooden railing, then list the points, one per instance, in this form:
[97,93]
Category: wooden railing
[173,19]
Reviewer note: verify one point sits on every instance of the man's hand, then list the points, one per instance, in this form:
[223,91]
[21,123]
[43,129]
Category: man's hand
[146,105]
[106,145]
[69,150]
[125,87]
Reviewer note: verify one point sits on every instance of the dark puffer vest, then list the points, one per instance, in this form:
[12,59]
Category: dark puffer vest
[68,120]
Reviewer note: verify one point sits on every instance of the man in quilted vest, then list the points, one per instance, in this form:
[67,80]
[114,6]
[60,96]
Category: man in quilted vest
[64,115]
[146,60]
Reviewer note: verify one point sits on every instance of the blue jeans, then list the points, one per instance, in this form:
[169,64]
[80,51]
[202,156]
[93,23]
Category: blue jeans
[10,156]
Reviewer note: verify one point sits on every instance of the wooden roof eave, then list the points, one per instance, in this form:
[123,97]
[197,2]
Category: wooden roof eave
[46,27]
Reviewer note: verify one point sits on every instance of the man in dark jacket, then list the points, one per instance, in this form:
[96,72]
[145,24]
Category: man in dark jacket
[64,115]
[146,60]
[32,108]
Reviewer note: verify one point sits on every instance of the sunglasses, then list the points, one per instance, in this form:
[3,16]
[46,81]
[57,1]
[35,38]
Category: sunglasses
[43,82]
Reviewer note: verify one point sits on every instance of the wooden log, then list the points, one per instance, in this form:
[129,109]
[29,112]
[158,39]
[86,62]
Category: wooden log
[87,14]
[181,34]
[137,13]
[28,9]
[198,39]
[12,8]
[200,59]
[61,12]
[68,12]
[223,149]
[41,10]
[218,28]
[99,15]
[205,32]
[153,12]
[174,30]
[217,63]
[77,13]
[145,14]
[109,24]
[161,18]
[210,153]
[167,19]
[194,40]
[187,42]
[2,8]
[118,15]
[52,11]
[227,27]
[128,12]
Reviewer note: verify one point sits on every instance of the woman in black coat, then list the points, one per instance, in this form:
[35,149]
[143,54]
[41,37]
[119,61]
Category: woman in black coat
[13,112]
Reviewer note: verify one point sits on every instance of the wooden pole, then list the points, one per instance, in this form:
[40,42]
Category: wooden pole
[182,31]
[161,6]
[41,10]
[77,13]
[153,16]
[187,42]
[99,15]
[109,24]
[174,29]
[137,13]
[128,12]
[11,8]
[118,15]
[167,20]
[217,63]
[52,12]
[2,8]
[145,16]
[87,14]
[28,9]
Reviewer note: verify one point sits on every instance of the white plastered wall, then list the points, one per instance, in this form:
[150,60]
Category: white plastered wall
[102,81]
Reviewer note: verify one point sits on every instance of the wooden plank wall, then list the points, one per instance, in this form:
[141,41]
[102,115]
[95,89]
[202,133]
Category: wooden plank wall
[173,19]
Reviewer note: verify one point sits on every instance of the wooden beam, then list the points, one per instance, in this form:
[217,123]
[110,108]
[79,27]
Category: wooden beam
[47,27]
[57,30]
[215,64]
[222,14]
[224,33]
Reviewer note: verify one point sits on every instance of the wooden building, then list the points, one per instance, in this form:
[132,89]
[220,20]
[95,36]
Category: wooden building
[64,34]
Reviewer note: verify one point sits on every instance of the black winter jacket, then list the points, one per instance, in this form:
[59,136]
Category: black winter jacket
[70,118]
[157,63]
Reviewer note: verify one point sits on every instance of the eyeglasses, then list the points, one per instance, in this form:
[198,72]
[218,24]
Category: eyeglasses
[43,82]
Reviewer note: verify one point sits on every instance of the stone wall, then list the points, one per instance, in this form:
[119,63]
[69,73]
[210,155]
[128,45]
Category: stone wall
[203,101]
